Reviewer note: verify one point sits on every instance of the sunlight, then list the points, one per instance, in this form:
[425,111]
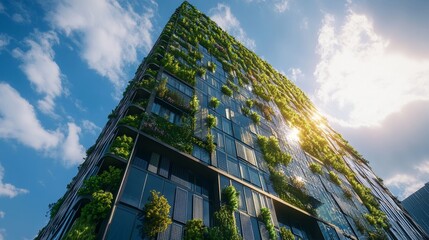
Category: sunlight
[293,135]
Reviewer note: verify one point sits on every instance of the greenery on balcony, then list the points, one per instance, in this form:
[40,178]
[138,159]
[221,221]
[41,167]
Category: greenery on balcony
[131,120]
[178,136]
[316,168]
[334,178]
[122,146]
[211,121]
[100,189]
[226,90]
[286,234]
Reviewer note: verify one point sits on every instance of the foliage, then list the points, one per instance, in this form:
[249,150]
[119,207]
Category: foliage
[211,121]
[334,178]
[81,230]
[286,234]
[347,193]
[316,168]
[273,155]
[245,111]
[255,117]
[210,143]
[178,136]
[100,187]
[214,102]
[131,120]
[377,235]
[249,103]
[226,90]
[108,180]
[194,104]
[211,67]
[54,207]
[162,89]
[122,146]
[266,219]
[230,198]
[194,230]
[225,228]
[155,214]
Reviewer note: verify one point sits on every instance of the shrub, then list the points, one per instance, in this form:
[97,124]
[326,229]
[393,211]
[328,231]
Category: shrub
[249,103]
[245,111]
[214,102]
[155,214]
[286,234]
[194,230]
[226,90]
[273,155]
[316,168]
[255,117]
[210,143]
[131,120]
[122,146]
[334,178]
[162,88]
[230,198]
[266,219]
[211,121]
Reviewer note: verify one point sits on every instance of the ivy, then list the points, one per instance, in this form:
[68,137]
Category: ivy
[214,102]
[271,151]
[211,121]
[334,178]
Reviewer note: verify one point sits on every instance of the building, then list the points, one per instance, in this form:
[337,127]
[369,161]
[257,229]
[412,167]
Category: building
[417,205]
[202,113]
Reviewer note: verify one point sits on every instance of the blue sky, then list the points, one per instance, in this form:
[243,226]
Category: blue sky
[64,64]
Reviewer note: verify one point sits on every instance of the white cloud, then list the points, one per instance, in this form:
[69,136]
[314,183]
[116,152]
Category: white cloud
[18,121]
[361,77]
[109,34]
[2,214]
[8,190]
[40,68]
[281,6]
[423,167]
[295,74]
[223,16]
[72,151]
[90,127]
[407,184]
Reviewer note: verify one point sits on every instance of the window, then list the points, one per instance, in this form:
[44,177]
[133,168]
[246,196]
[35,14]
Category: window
[133,187]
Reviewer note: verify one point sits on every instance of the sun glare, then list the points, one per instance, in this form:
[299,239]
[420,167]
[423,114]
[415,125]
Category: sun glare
[294,135]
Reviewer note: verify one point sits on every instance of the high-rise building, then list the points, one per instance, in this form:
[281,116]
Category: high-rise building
[417,205]
[201,114]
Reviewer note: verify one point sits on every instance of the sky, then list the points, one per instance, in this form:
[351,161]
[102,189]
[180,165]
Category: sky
[65,63]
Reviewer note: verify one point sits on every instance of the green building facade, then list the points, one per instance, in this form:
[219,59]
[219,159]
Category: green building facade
[201,114]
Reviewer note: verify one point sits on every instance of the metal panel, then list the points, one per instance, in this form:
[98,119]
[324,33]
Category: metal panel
[197,212]
[246,226]
[181,205]
[153,164]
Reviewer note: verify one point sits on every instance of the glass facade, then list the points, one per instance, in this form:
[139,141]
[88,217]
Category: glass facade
[192,74]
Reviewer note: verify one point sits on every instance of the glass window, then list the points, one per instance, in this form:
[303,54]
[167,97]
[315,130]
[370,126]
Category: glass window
[164,167]
[134,186]
[244,170]
[122,224]
[221,160]
[153,182]
[233,167]
[254,176]
[230,146]
[197,212]
[153,163]
[226,126]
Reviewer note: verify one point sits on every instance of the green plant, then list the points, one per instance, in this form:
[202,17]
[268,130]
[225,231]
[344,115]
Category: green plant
[334,178]
[226,90]
[194,230]
[211,66]
[100,188]
[286,234]
[211,121]
[214,102]
[122,146]
[255,117]
[249,103]
[266,219]
[347,193]
[194,104]
[210,143]
[271,151]
[155,214]
[108,180]
[162,89]
[245,111]
[316,168]
[230,198]
[54,207]
[131,120]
